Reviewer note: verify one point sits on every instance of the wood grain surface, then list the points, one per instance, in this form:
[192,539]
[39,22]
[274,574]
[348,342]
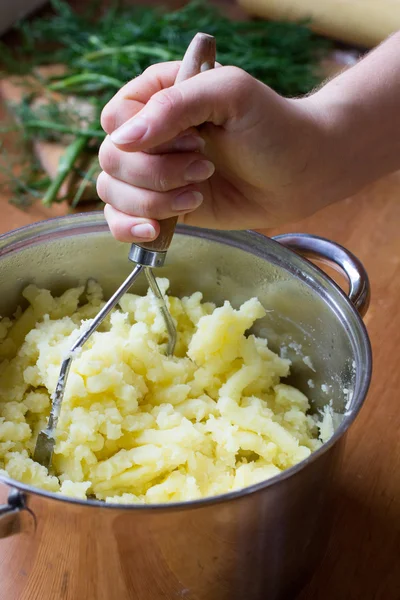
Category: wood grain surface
[363,557]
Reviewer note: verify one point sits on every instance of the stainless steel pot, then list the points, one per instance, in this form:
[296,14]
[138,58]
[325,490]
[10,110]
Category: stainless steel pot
[259,543]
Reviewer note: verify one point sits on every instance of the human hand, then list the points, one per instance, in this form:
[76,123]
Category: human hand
[221,150]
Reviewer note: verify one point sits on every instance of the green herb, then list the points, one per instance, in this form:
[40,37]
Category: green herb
[65,166]
[101,54]
[23,179]
[54,127]
[87,178]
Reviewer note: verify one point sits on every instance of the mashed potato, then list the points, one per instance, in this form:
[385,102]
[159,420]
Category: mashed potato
[137,426]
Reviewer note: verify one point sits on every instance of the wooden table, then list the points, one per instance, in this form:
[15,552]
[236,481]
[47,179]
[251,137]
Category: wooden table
[363,558]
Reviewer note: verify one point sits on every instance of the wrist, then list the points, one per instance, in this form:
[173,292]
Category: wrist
[335,170]
[358,127]
[323,175]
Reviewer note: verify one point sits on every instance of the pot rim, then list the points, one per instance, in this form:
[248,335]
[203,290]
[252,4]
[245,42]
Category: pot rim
[292,262]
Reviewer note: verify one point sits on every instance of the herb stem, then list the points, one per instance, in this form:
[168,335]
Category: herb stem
[131,49]
[84,183]
[86,133]
[81,78]
[65,167]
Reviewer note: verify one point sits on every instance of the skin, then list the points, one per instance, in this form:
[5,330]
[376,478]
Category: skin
[222,150]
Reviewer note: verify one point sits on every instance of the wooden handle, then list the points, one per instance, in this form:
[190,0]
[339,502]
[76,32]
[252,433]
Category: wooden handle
[199,57]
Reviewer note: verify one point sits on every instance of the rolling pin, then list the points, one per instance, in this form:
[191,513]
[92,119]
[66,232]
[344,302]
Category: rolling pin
[364,23]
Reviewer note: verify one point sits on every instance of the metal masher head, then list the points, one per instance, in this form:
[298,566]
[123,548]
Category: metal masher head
[200,56]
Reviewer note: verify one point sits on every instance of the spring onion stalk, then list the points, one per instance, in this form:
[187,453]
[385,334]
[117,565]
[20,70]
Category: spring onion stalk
[84,183]
[75,80]
[138,49]
[53,126]
[65,167]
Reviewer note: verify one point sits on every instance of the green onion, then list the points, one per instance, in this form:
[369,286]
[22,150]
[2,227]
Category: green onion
[53,126]
[76,80]
[65,167]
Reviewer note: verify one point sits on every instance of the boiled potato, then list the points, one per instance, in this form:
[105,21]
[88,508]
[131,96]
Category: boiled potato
[137,426]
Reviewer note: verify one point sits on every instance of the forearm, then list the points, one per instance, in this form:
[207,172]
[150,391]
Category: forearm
[359,116]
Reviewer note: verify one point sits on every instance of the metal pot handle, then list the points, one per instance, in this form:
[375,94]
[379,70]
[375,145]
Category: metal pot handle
[15,517]
[334,255]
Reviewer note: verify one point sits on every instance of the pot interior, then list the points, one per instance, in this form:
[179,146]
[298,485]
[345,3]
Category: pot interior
[308,318]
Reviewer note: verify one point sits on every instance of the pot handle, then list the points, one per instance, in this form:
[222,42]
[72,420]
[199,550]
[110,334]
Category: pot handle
[15,517]
[333,254]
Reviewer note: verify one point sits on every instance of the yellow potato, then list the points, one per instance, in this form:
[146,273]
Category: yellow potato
[137,426]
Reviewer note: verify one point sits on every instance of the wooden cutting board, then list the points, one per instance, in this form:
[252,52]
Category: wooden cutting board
[364,23]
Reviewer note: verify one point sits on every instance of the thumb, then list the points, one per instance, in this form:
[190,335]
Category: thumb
[216,96]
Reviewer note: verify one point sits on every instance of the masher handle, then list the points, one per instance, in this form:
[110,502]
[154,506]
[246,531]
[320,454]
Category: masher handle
[200,56]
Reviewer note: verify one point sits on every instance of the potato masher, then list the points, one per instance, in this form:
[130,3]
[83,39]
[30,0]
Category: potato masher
[200,56]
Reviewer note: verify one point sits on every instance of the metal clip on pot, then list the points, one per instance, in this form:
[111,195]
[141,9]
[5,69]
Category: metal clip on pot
[15,516]
[200,56]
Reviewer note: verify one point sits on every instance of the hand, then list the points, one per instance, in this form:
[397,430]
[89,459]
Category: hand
[221,150]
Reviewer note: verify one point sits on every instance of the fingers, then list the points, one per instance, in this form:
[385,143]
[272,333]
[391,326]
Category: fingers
[126,228]
[145,203]
[160,173]
[131,98]
[152,163]
[217,96]
[188,140]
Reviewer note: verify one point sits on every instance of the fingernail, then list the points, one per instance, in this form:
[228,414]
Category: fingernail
[130,132]
[187,201]
[189,143]
[144,231]
[199,170]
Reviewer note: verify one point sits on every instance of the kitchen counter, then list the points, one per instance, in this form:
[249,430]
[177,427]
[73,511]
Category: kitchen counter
[363,558]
